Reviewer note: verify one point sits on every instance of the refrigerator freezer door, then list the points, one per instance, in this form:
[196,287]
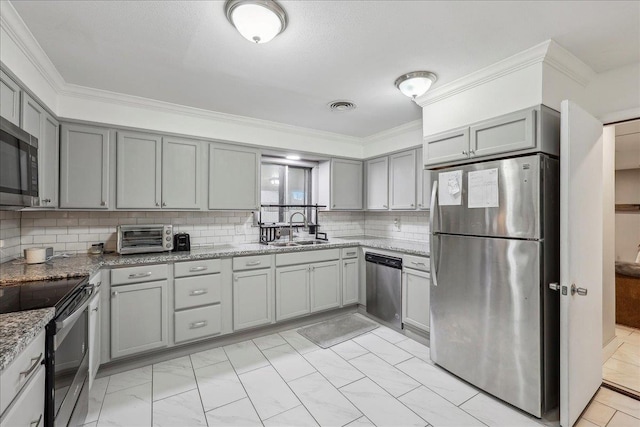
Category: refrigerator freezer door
[519,200]
[485,316]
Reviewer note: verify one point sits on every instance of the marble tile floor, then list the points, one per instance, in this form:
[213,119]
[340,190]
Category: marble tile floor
[623,367]
[381,378]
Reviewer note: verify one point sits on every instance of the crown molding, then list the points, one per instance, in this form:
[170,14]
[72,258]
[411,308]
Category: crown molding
[395,131]
[567,63]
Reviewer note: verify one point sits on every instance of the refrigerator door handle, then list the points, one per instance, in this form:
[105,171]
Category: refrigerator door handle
[434,235]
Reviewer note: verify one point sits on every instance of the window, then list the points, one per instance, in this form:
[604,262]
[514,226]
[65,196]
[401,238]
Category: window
[284,185]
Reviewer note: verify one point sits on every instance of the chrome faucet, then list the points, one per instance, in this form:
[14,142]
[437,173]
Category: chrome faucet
[291,223]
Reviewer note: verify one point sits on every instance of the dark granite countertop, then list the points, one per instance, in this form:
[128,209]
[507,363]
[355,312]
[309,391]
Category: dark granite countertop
[628,268]
[17,330]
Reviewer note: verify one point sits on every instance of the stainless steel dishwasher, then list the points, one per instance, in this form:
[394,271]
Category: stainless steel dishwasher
[384,288]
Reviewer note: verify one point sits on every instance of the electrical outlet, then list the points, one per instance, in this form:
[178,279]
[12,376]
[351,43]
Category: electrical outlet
[396,224]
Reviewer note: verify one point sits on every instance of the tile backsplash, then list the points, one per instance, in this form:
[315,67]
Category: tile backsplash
[76,231]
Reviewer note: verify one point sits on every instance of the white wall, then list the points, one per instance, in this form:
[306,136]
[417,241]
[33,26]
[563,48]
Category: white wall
[608,236]
[615,95]
[9,235]
[399,138]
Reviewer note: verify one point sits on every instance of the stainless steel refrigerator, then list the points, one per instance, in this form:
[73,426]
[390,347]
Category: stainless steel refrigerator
[494,251]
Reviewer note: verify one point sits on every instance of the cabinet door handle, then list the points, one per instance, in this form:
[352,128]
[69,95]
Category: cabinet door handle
[412,205]
[196,325]
[164,204]
[103,203]
[385,206]
[200,268]
[197,292]
[464,152]
[157,204]
[139,275]
[95,309]
[252,263]
[34,363]
[114,293]
[472,152]
[36,423]
[46,200]
[350,253]
[418,263]
[419,205]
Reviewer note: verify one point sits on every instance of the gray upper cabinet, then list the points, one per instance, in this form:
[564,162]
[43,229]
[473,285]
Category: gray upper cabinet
[503,134]
[9,99]
[234,174]
[346,184]
[39,123]
[378,184]
[402,180]
[138,171]
[180,173]
[84,167]
[447,147]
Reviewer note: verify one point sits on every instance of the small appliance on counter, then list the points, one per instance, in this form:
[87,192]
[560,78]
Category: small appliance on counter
[37,255]
[140,239]
[181,242]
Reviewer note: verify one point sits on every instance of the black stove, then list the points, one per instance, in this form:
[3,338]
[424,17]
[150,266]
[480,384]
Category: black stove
[25,296]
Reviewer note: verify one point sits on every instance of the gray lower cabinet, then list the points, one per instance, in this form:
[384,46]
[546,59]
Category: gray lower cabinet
[234,177]
[28,408]
[252,298]
[39,123]
[139,318]
[292,291]
[415,298]
[138,171]
[9,99]
[84,167]
[350,282]
[378,184]
[197,323]
[94,336]
[325,285]
[402,180]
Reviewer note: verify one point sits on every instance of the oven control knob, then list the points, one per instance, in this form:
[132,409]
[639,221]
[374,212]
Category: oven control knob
[168,238]
[167,245]
[168,231]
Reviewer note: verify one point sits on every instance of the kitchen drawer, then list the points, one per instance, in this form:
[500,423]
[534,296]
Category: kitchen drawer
[197,290]
[196,268]
[197,323]
[350,252]
[415,262]
[307,257]
[145,273]
[28,409]
[23,367]
[251,262]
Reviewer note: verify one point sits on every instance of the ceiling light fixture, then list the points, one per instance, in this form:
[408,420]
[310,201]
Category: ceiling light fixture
[256,20]
[293,157]
[415,83]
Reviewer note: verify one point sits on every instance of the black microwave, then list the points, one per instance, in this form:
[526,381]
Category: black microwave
[18,167]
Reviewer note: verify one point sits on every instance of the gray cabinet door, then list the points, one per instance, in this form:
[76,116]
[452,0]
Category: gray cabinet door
[504,134]
[9,99]
[346,184]
[325,285]
[234,174]
[39,123]
[423,183]
[94,337]
[138,171]
[402,180]
[415,298]
[378,184]
[446,147]
[350,282]
[292,292]
[252,299]
[180,173]
[84,167]
[139,318]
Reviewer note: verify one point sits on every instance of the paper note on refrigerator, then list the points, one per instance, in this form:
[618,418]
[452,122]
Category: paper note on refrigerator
[450,188]
[483,189]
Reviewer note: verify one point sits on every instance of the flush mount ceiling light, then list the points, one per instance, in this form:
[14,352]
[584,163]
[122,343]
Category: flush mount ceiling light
[293,157]
[416,83]
[257,20]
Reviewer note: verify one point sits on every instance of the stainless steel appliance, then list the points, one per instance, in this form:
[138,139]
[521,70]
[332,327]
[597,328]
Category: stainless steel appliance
[138,239]
[494,253]
[384,288]
[66,356]
[18,167]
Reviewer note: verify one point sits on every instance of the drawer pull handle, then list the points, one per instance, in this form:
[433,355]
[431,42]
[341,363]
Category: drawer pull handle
[139,275]
[251,263]
[200,268]
[35,362]
[36,423]
[197,292]
[418,263]
[350,253]
[196,325]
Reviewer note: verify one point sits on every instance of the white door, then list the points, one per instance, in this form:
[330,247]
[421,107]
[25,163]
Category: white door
[581,224]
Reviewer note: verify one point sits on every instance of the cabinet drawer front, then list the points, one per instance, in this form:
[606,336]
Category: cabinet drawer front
[196,268]
[17,374]
[349,252]
[198,290]
[146,273]
[251,262]
[29,407]
[504,134]
[307,257]
[416,262]
[197,323]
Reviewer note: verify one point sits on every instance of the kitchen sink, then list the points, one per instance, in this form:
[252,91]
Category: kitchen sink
[299,243]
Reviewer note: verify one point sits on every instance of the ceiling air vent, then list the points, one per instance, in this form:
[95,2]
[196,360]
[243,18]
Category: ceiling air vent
[341,105]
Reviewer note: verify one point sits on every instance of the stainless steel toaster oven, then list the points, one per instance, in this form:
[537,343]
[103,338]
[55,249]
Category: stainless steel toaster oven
[139,239]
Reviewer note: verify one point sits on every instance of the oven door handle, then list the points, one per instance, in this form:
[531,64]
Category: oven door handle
[77,313]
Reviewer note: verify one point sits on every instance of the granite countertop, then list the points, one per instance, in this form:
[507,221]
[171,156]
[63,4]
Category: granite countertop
[83,265]
[628,268]
[17,330]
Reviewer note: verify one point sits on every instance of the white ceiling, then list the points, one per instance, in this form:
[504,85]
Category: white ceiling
[185,52]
